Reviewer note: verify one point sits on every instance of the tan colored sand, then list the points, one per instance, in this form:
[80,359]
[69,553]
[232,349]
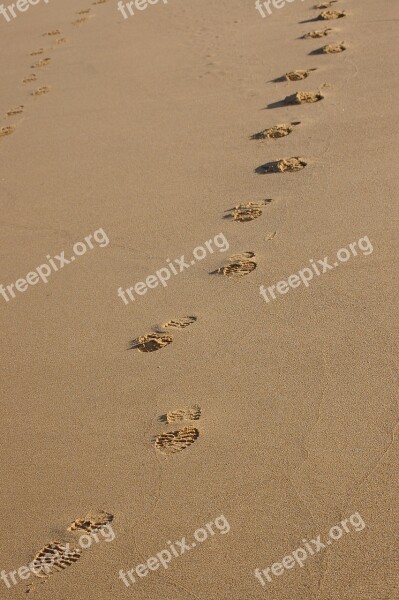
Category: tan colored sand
[145,131]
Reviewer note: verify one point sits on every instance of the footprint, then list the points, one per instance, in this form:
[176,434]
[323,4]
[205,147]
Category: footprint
[80,21]
[275,132]
[248,211]
[190,413]
[325,4]
[298,75]
[37,52]
[41,90]
[317,33]
[54,32]
[29,79]
[289,165]
[92,522]
[304,98]
[15,111]
[176,441]
[180,323]
[150,342]
[238,265]
[42,63]
[8,130]
[328,15]
[60,41]
[53,557]
[100,2]
[84,12]
[333,48]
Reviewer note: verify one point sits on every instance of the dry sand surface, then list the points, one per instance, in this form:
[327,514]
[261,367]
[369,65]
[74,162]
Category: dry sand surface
[201,407]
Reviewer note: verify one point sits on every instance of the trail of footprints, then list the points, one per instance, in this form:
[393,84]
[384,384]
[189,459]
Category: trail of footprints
[56,556]
[83,16]
[171,442]
[243,264]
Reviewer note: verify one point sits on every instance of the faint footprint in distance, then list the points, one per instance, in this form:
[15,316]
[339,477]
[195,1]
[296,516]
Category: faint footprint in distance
[42,63]
[30,78]
[40,91]
[7,130]
[15,111]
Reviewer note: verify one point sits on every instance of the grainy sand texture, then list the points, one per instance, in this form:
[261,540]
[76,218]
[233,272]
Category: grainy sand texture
[199,218]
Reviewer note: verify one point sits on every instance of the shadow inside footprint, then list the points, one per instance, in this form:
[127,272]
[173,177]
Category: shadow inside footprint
[238,265]
[330,49]
[295,163]
[92,522]
[180,323]
[54,557]
[317,33]
[190,413]
[242,213]
[275,132]
[176,441]
[150,342]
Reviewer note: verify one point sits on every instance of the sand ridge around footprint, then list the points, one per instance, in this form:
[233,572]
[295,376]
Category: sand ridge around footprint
[275,132]
[176,441]
[91,522]
[329,15]
[189,413]
[317,33]
[325,4]
[150,342]
[298,74]
[333,48]
[248,211]
[304,98]
[180,323]
[238,265]
[282,165]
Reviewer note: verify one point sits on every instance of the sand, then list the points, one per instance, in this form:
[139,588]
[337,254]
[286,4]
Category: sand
[282,414]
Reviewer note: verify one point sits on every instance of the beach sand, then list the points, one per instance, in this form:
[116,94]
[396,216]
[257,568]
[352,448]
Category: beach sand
[143,130]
